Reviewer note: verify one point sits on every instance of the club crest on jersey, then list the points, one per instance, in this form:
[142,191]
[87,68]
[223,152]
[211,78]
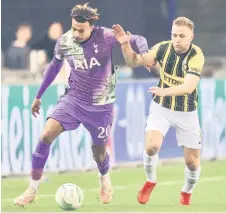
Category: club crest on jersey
[185,65]
[95,47]
[85,64]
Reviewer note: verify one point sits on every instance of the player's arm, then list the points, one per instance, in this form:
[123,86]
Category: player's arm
[131,57]
[147,59]
[53,69]
[191,80]
[190,84]
[117,36]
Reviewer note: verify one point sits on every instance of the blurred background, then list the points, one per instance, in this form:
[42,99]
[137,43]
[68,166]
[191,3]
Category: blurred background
[29,32]
[31,28]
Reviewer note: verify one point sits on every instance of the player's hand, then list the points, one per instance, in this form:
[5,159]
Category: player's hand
[121,36]
[148,68]
[157,91]
[148,60]
[35,107]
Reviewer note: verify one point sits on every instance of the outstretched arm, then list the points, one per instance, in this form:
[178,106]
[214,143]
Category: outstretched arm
[131,57]
[51,73]
[191,79]
[52,70]
[187,88]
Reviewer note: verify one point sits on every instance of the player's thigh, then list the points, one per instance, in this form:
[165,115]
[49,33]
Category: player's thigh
[158,124]
[192,158]
[66,113]
[51,131]
[188,131]
[159,119]
[99,125]
[153,141]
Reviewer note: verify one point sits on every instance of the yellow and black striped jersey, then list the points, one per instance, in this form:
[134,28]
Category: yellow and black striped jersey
[173,69]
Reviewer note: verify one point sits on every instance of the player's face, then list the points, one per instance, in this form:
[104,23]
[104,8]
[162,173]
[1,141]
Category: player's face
[81,31]
[182,37]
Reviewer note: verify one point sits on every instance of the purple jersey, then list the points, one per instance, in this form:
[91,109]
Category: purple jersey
[91,85]
[92,79]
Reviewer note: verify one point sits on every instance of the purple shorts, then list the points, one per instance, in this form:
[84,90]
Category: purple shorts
[70,115]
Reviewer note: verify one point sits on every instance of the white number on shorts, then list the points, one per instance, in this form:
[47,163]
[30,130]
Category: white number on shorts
[104,132]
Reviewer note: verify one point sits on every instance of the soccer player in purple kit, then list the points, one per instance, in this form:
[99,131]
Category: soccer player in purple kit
[89,98]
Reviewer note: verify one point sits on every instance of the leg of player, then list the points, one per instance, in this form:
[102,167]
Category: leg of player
[192,174]
[51,131]
[99,125]
[154,141]
[102,159]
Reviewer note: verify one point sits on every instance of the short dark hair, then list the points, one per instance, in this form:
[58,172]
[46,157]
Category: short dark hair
[84,13]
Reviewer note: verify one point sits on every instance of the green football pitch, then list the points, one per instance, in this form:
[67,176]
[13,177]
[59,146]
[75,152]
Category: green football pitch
[209,195]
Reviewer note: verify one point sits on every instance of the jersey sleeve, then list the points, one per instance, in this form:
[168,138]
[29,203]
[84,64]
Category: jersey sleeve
[195,64]
[138,43]
[58,53]
[155,51]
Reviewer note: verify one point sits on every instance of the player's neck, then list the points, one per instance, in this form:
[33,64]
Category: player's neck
[185,51]
[90,36]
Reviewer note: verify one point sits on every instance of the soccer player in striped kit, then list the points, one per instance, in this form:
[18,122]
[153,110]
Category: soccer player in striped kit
[175,103]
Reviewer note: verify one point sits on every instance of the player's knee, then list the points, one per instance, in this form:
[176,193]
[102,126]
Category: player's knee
[192,166]
[192,160]
[52,130]
[99,157]
[152,149]
[193,163]
[46,136]
[153,142]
